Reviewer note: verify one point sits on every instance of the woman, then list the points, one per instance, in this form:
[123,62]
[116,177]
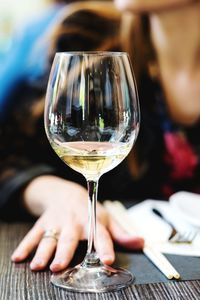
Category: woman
[32,176]
[169,121]
[173,63]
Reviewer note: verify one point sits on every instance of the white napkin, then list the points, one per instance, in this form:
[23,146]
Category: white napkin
[156,231]
[187,205]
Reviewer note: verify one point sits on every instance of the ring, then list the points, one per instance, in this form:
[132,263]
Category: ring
[50,233]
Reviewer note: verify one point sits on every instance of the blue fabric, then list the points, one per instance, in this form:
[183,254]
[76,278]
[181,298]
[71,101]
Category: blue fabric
[27,58]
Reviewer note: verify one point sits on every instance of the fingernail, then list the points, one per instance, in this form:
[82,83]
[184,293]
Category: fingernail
[56,266]
[107,259]
[138,242]
[36,264]
[141,242]
[16,256]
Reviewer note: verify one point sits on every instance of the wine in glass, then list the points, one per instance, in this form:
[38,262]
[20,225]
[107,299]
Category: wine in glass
[92,120]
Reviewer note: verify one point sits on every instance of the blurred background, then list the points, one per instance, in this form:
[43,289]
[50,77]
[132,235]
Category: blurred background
[15,13]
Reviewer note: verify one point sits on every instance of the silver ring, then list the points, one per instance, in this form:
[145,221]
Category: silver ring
[50,233]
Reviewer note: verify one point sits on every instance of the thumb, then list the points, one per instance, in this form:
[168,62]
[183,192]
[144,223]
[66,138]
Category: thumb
[123,238]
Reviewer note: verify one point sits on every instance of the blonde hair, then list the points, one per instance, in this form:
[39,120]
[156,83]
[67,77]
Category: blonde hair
[82,20]
[100,26]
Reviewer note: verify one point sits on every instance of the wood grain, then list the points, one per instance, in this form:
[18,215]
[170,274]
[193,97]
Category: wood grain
[17,282]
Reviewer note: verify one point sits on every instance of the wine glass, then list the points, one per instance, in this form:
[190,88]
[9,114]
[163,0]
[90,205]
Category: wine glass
[92,120]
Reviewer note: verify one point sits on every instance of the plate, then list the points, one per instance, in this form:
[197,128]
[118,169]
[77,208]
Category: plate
[187,205]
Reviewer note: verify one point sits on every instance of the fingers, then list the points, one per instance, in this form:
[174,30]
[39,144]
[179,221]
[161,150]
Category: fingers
[44,253]
[28,244]
[104,245]
[123,238]
[66,247]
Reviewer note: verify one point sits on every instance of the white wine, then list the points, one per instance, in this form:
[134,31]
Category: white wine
[92,159]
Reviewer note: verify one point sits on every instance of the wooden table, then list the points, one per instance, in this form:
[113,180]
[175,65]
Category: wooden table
[17,282]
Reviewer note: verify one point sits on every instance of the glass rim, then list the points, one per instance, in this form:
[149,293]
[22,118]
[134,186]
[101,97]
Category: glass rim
[88,53]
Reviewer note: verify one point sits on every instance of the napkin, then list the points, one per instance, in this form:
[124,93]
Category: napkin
[156,231]
[187,205]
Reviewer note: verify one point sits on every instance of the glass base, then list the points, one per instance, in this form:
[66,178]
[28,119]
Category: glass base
[95,279]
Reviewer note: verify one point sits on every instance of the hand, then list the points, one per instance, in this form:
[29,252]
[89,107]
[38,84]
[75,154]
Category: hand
[63,207]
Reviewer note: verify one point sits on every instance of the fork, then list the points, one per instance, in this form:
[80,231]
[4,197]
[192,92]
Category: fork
[185,237]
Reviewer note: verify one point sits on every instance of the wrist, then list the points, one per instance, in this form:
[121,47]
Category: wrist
[47,190]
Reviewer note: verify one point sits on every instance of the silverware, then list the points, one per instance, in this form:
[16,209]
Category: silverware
[176,236]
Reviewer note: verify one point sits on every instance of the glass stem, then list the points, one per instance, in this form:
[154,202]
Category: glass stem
[91,258]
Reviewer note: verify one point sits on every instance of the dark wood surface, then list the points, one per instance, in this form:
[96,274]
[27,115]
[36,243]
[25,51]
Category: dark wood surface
[17,282]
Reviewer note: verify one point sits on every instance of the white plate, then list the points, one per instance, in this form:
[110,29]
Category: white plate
[187,205]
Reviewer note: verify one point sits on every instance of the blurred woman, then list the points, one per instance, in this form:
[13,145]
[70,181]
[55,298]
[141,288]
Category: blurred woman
[34,182]
[169,48]
[166,156]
